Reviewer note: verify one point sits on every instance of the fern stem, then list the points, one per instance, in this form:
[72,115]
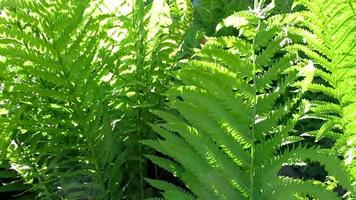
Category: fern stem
[253,130]
[141,173]
[254,111]
[253,123]
[140,60]
[99,175]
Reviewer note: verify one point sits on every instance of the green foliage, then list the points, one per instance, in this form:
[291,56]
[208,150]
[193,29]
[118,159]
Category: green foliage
[146,49]
[208,13]
[329,41]
[72,72]
[232,129]
[12,184]
[133,99]
[56,125]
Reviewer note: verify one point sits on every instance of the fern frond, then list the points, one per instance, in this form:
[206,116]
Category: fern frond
[330,42]
[234,120]
[170,189]
[292,187]
[54,96]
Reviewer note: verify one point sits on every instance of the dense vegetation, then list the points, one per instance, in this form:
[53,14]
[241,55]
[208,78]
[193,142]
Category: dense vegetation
[177,99]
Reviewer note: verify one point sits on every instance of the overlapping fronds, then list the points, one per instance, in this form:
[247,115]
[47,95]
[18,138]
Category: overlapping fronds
[146,43]
[72,72]
[146,48]
[231,129]
[82,82]
[55,125]
[327,30]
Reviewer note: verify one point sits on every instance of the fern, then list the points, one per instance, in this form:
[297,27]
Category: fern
[74,78]
[236,112]
[328,30]
[78,81]
[55,125]
[145,56]
[208,13]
